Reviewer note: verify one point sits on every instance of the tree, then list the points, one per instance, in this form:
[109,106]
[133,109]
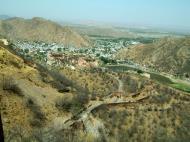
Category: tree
[93,50]
[59,49]
[139,71]
[104,60]
[187,75]
[26,50]
[98,54]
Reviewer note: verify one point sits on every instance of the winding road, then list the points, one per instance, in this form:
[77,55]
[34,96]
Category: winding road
[120,88]
[91,124]
[83,115]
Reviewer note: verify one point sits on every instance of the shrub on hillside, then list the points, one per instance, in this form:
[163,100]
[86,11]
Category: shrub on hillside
[63,103]
[139,71]
[17,133]
[161,99]
[10,84]
[73,105]
[81,99]
[38,116]
[133,86]
[61,78]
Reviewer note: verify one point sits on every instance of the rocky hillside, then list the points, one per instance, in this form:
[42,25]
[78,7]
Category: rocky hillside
[26,101]
[170,55]
[38,29]
[41,105]
[35,100]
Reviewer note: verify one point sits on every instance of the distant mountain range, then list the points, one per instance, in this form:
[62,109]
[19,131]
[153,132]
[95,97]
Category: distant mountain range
[103,31]
[3,17]
[99,28]
[170,55]
[39,29]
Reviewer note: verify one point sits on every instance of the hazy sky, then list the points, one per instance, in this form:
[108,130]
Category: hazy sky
[166,13]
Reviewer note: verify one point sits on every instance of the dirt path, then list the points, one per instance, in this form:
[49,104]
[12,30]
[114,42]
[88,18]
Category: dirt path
[120,88]
[93,125]
[84,115]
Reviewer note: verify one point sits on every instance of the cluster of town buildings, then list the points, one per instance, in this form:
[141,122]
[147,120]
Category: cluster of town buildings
[59,55]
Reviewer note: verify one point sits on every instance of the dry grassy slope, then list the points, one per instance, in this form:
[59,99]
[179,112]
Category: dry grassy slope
[14,110]
[9,61]
[97,83]
[164,114]
[160,117]
[167,54]
[38,29]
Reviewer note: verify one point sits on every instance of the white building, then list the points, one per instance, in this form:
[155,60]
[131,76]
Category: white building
[5,42]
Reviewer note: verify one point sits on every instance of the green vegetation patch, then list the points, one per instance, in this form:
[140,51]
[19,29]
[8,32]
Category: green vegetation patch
[167,81]
[181,86]
[120,68]
[160,78]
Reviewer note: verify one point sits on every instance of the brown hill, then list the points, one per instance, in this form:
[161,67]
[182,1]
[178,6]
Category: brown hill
[19,83]
[38,29]
[168,54]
